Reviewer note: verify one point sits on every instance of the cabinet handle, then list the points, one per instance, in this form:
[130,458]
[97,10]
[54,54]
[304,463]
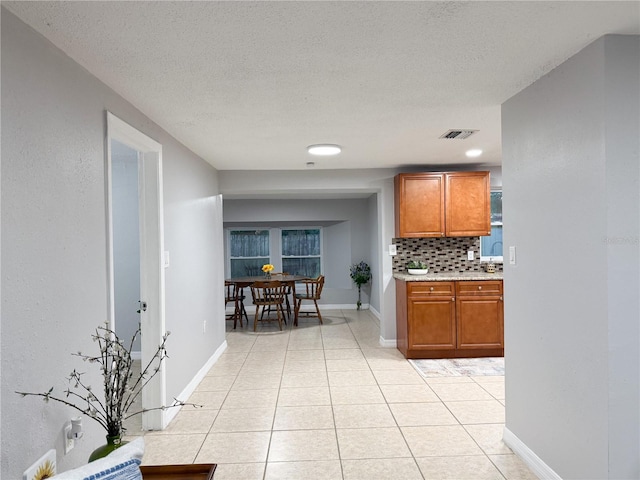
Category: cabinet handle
[479,287]
[431,289]
[501,298]
[453,299]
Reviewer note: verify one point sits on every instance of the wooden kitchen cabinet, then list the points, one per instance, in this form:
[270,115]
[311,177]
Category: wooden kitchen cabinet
[449,319]
[479,315]
[419,205]
[452,204]
[467,204]
[431,307]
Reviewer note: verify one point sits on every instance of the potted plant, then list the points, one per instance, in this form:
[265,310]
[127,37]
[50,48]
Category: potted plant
[121,386]
[417,267]
[360,274]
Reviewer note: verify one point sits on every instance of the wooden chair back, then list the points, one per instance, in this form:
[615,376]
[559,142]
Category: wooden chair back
[313,288]
[266,294]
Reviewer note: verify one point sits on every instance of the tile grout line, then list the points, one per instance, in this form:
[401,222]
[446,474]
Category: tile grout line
[392,415]
[463,425]
[333,412]
[275,409]
[222,403]
[361,333]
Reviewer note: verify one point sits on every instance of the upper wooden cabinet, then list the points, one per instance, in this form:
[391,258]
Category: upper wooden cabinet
[467,204]
[451,204]
[419,204]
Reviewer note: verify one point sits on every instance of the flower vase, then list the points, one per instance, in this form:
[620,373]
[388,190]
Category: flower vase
[359,304]
[113,442]
[267,275]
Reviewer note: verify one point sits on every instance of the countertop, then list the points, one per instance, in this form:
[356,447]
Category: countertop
[448,276]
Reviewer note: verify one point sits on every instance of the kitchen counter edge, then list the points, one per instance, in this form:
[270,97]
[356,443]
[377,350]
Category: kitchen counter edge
[448,276]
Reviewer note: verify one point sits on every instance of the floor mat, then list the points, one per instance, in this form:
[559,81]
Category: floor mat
[458,367]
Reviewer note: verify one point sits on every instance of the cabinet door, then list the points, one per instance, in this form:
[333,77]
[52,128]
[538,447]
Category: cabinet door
[480,322]
[432,323]
[419,204]
[468,204]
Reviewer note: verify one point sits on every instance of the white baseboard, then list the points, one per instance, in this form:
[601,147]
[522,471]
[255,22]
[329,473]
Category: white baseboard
[170,413]
[335,306]
[375,312]
[535,463]
[251,309]
[392,343]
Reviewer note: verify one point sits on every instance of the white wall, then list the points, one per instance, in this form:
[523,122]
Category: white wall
[54,248]
[386,227]
[373,227]
[126,240]
[571,208]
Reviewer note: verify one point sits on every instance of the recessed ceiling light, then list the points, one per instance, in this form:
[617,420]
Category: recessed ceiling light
[324,149]
[473,153]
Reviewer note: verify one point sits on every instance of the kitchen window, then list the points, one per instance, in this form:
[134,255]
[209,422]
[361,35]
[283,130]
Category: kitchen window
[248,251]
[301,252]
[491,246]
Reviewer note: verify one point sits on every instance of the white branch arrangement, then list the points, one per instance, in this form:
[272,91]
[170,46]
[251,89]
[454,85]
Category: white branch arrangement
[121,388]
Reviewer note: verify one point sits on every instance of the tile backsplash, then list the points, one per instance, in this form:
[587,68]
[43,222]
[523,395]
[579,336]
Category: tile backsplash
[448,254]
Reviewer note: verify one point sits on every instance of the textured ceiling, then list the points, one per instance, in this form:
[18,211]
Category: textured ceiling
[248,85]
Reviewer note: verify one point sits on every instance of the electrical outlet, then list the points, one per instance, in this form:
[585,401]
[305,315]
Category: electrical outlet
[512,255]
[393,250]
[470,255]
[69,443]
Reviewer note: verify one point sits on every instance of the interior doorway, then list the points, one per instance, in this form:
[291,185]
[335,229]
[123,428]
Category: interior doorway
[135,239]
[125,233]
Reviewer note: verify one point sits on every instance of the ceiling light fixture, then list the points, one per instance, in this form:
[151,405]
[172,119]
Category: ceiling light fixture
[310,164]
[324,149]
[475,152]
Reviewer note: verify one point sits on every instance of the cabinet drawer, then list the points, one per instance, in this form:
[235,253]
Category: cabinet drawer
[484,287]
[430,289]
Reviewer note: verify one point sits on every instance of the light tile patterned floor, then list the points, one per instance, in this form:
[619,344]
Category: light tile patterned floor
[327,402]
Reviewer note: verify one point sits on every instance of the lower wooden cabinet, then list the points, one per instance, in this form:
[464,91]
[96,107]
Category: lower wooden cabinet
[479,315]
[437,330]
[450,319]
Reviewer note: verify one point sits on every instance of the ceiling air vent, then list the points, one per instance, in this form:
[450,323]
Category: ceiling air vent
[458,134]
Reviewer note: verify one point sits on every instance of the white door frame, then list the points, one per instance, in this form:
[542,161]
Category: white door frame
[151,256]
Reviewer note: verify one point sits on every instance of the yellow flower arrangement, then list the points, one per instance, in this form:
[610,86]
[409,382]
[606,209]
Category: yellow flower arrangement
[267,268]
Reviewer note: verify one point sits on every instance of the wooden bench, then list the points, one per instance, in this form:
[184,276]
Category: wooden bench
[202,471]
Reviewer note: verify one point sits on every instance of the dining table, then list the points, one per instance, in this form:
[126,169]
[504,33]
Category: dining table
[290,280]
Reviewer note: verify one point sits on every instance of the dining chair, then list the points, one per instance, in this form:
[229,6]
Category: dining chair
[267,294]
[312,291]
[287,291]
[234,294]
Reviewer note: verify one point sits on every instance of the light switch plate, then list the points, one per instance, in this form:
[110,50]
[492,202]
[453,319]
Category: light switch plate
[512,255]
[393,250]
[166,259]
[470,255]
